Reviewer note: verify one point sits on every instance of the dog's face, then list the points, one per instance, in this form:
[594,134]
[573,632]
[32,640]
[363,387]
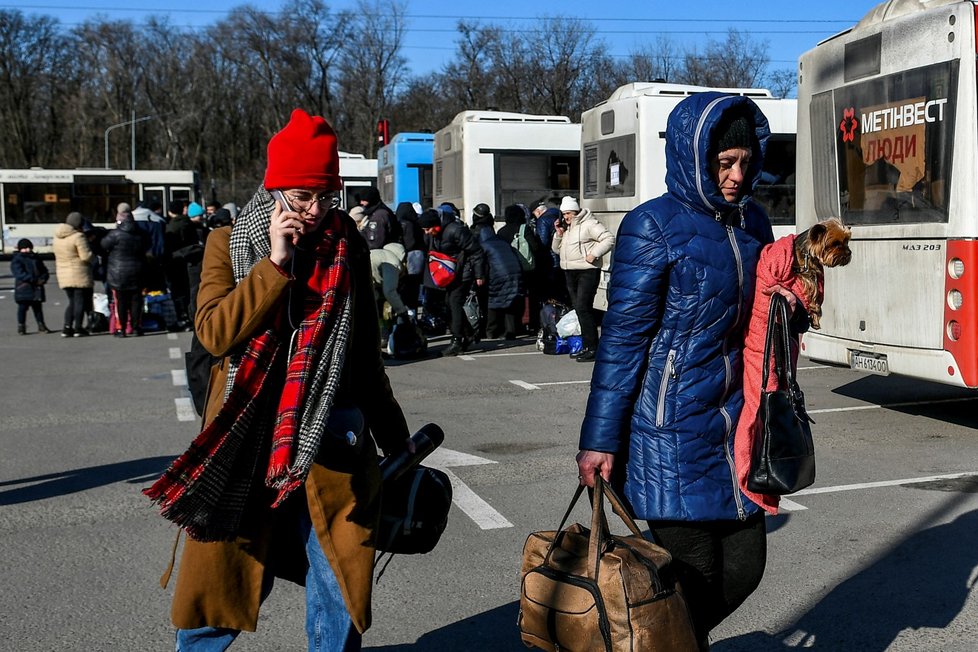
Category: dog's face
[828,241]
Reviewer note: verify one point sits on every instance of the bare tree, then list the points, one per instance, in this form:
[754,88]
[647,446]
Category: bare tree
[31,50]
[372,70]
[782,82]
[736,62]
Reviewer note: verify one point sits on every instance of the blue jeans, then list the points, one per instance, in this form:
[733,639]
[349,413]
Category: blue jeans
[328,624]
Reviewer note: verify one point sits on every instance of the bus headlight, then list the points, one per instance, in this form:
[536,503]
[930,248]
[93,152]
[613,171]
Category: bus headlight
[953,330]
[955,299]
[955,268]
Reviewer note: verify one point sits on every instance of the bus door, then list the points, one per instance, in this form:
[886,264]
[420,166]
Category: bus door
[425,172]
[889,142]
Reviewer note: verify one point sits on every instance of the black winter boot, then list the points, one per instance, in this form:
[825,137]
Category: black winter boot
[22,329]
[455,348]
[41,328]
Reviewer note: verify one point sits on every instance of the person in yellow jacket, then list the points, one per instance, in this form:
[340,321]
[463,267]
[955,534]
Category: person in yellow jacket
[582,242]
[283,480]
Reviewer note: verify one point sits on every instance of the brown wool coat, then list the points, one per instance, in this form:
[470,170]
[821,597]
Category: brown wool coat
[220,584]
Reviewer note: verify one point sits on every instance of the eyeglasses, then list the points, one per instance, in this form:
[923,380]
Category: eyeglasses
[303,201]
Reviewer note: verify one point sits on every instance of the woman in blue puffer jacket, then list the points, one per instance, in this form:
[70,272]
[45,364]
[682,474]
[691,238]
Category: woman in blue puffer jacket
[666,389]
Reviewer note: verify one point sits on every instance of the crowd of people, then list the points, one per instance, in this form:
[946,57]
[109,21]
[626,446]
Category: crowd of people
[538,254]
[146,253]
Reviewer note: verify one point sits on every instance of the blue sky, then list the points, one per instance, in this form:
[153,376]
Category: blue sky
[790,27]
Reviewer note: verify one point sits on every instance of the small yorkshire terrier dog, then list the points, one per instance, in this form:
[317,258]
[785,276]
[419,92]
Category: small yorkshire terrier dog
[824,245]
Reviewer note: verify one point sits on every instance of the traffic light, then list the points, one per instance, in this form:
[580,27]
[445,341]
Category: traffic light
[383,132]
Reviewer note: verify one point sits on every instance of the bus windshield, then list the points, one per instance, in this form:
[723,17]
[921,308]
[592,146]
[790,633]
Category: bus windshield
[894,140]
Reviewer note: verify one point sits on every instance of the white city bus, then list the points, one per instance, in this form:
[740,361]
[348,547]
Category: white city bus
[32,201]
[358,173]
[887,141]
[624,162]
[499,159]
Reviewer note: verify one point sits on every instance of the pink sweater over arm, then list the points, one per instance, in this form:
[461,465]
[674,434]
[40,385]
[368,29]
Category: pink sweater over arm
[774,268]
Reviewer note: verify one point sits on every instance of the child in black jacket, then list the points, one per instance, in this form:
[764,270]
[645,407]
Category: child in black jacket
[30,275]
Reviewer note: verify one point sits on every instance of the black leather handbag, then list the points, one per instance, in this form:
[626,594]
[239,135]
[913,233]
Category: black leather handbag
[783,454]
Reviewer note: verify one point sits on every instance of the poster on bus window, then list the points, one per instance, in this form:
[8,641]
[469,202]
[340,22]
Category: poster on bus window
[894,137]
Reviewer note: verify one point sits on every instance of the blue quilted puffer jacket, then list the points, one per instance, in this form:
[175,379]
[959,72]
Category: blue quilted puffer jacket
[666,388]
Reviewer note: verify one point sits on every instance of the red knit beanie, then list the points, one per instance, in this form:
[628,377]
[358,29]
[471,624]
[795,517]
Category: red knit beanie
[303,155]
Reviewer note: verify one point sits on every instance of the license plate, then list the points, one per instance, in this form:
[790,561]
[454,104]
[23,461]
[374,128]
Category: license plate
[869,363]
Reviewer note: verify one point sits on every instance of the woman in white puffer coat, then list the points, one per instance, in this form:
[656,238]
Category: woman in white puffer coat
[581,242]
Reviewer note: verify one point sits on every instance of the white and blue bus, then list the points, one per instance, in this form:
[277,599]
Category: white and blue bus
[499,158]
[33,201]
[887,141]
[358,173]
[404,169]
[623,155]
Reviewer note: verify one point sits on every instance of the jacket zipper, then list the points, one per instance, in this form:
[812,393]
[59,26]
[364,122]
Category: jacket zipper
[668,373]
[728,373]
[587,585]
[696,149]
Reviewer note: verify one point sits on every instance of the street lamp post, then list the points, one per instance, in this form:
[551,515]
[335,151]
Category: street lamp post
[132,122]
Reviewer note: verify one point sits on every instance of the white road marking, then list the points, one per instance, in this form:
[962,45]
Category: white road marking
[856,408]
[185,409]
[531,386]
[172,336]
[477,509]
[179,377]
[175,353]
[790,505]
[882,483]
[441,458]
[504,355]
[467,358]
[818,366]
[467,500]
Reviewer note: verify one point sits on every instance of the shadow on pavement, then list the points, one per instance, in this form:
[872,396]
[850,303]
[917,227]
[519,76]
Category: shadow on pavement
[921,582]
[52,485]
[491,631]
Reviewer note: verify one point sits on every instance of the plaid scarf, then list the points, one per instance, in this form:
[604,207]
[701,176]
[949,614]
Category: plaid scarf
[206,490]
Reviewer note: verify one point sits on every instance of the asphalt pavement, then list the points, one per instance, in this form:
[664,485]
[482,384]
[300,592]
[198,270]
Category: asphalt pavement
[879,555]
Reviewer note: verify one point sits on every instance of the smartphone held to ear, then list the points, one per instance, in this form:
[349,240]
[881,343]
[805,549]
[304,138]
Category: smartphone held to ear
[279,196]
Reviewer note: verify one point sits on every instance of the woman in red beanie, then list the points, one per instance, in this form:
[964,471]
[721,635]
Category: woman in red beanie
[283,479]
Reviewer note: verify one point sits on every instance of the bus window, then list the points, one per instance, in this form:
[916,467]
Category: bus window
[894,139]
[775,190]
[36,203]
[609,168]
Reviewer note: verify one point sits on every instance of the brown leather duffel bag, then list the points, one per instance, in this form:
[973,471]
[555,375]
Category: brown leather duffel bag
[587,590]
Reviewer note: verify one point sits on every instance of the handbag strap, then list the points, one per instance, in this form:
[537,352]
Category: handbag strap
[563,521]
[599,522]
[777,339]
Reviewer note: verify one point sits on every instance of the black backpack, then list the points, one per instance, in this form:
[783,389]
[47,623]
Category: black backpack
[414,511]
[199,362]
[406,340]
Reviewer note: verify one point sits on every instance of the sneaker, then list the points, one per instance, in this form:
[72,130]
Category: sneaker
[67,331]
[80,333]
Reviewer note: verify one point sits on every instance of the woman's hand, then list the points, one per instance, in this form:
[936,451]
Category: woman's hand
[284,232]
[591,462]
[590,259]
[559,225]
[786,293]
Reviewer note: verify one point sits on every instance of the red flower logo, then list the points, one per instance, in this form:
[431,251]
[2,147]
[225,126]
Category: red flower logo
[848,125]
